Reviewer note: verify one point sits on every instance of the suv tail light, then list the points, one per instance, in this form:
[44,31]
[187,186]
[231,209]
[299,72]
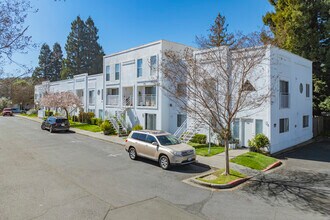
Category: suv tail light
[126,140]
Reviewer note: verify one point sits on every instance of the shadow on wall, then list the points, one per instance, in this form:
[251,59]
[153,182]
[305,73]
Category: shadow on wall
[134,120]
[304,190]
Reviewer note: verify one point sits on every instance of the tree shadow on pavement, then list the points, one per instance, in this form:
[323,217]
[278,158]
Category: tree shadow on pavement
[304,190]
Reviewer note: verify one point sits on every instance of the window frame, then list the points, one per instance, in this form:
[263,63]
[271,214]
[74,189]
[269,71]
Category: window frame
[285,125]
[284,93]
[177,119]
[153,67]
[139,68]
[305,125]
[117,71]
[107,73]
[307,90]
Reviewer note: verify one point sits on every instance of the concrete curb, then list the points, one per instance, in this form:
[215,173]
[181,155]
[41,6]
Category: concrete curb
[272,166]
[229,185]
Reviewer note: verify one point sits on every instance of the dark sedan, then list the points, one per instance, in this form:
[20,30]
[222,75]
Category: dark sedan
[55,124]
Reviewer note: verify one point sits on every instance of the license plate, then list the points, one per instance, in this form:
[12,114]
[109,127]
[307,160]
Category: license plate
[62,124]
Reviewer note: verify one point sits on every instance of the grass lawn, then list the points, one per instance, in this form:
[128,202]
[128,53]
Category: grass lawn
[218,178]
[254,160]
[203,149]
[87,127]
[31,115]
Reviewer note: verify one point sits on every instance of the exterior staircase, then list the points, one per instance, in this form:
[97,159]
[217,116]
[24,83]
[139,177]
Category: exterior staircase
[185,134]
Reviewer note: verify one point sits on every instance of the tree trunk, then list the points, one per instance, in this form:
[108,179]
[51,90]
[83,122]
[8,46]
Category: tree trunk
[227,170]
[67,114]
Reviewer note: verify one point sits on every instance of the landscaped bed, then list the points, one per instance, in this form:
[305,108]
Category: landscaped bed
[218,177]
[86,127]
[203,149]
[254,160]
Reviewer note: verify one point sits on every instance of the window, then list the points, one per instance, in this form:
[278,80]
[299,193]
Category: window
[180,119]
[301,88]
[112,96]
[151,139]
[305,121]
[284,94]
[153,65]
[102,94]
[117,71]
[181,89]
[91,97]
[307,90]
[135,135]
[259,128]
[235,132]
[142,137]
[107,73]
[284,125]
[139,67]
[248,87]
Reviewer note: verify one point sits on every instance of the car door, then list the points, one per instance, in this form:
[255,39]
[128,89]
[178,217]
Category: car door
[150,149]
[140,144]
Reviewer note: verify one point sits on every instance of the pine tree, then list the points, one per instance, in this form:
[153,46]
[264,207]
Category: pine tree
[218,35]
[303,27]
[75,48]
[43,71]
[94,50]
[56,62]
[84,54]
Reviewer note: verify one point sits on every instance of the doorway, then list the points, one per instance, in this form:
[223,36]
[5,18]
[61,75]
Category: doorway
[247,131]
[150,121]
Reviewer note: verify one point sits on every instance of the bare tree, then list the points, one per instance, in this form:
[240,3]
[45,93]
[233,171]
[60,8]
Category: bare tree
[215,85]
[63,100]
[13,31]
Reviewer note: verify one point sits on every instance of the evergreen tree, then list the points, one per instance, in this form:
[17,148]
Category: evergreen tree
[84,54]
[56,62]
[303,27]
[43,71]
[218,35]
[94,50]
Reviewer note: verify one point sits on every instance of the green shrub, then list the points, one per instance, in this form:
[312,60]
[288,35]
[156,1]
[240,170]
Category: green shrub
[49,113]
[137,127]
[75,118]
[85,117]
[258,142]
[93,121]
[99,121]
[107,128]
[199,138]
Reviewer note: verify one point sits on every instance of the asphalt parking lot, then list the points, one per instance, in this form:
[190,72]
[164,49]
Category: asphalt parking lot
[70,176]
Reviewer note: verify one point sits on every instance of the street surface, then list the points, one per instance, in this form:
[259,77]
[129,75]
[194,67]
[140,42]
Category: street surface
[70,176]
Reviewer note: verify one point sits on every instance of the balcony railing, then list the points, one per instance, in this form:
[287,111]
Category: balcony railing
[147,100]
[284,101]
[128,101]
[112,99]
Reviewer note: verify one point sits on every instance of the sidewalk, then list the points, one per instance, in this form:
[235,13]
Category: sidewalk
[98,135]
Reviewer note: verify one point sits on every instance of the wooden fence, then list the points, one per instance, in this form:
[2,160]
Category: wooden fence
[321,124]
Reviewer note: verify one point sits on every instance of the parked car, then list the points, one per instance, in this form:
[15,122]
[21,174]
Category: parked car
[17,110]
[7,112]
[53,124]
[159,146]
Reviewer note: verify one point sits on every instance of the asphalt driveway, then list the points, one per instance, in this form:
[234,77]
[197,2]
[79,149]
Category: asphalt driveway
[70,176]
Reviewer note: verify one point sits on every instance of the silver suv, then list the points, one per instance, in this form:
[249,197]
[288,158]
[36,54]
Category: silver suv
[159,146]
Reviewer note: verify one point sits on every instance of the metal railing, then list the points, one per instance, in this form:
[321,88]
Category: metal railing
[112,99]
[181,129]
[128,101]
[147,100]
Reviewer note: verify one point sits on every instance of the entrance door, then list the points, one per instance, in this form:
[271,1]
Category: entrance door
[150,121]
[248,131]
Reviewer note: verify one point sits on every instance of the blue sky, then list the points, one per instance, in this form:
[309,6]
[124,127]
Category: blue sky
[128,23]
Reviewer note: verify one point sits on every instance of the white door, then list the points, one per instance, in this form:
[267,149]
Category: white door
[150,121]
[248,131]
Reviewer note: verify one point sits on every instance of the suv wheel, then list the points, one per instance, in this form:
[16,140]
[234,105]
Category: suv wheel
[164,162]
[43,127]
[132,153]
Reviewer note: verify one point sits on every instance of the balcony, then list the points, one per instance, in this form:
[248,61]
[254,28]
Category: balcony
[112,99]
[128,97]
[147,100]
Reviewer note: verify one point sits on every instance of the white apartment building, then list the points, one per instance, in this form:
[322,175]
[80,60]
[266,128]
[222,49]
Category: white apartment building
[286,118]
[129,90]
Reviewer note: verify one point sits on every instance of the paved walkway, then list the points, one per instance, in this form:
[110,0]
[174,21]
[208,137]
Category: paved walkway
[217,161]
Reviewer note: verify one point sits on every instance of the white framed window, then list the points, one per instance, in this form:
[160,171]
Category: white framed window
[117,71]
[259,126]
[180,119]
[153,65]
[91,97]
[305,121]
[107,73]
[235,129]
[307,90]
[284,94]
[139,67]
[284,125]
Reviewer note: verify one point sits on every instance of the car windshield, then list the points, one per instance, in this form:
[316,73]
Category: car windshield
[168,140]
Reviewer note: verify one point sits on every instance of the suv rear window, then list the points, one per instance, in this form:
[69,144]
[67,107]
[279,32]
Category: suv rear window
[60,120]
[139,136]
